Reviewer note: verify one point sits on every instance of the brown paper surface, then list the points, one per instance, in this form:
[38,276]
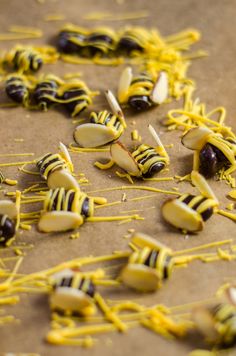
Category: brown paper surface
[215,78]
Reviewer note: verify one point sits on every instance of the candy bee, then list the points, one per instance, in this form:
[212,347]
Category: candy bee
[75,96]
[142,92]
[18,88]
[26,59]
[211,151]
[104,127]
[142,162]
[65,210]
[72,293]
[149,266]
[57,169]
[45,91]
[73,39]
[188,212]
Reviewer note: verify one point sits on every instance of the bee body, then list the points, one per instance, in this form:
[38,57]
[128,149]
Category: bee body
[7,228]
[139,92]
[160,260]
[202,205]
[45,92]
[75,97]
[189,212]
[17,89]
[27,60]
[101,40]
[108,119]
[73,293]
[70,41]
[133,40]
[73,39]
[148,266]
[69,200]
[212,151]
[49,163]
[149,160]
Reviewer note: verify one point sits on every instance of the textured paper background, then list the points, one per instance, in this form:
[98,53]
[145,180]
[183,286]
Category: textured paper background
[215,77]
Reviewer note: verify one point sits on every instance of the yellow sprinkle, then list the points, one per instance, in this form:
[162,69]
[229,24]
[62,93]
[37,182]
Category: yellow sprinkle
[54,17]
[227,214]
[75,236]
[151,189]
[134,135]
[15,164]
[116,17]
[15,154]
[230,206]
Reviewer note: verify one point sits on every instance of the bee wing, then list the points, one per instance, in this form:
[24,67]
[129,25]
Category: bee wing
[140,277]
[157,139]
[200,182]
[56,221]
[94,135]
[62,179]
[181,216]
[196,138]
[65,153]
[142,240]
[124,84]
[9,208]
[115,107]
[123,158]
[160,89]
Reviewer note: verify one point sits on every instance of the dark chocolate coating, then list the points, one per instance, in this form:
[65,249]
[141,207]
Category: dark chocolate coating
[66,45]
[139,102]
[155,168]
[211,160]
[43,89]
[7,231]
[75,93]
[17,91]
[128,45]
[208,161]
[206,214]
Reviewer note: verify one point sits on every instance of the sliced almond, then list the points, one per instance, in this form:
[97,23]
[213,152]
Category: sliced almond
[62,179]
[94,135]
[115,107]
[140,277]
[196,138]
[123,158]
[160,89]
[65,153]
[8,207]
[181,216]
[142,240]
[124,84]
[56,221]
[200,182]
[70,299]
